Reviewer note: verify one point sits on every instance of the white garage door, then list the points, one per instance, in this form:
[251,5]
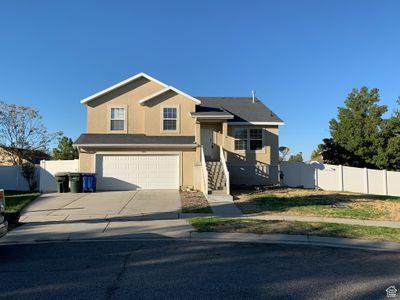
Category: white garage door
[128,172]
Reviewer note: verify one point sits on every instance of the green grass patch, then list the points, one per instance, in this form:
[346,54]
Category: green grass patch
[211,224]
[16,200]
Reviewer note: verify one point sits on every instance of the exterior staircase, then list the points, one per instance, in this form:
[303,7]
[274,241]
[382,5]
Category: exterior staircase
[217,182]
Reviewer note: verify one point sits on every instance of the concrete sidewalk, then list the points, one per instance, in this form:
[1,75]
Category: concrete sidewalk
[224,208]
[55,228]
[390,224]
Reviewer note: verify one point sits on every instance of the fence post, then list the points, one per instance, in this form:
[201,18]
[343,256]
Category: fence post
[316,179]
[366,187]
[385,185]
[341,185]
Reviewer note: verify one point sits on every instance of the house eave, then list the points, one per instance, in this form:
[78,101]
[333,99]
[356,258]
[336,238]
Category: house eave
[136,145]
[205,117]
[256,123]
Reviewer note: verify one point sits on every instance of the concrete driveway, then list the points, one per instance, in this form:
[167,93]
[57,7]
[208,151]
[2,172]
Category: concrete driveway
[146,204]
[120,214]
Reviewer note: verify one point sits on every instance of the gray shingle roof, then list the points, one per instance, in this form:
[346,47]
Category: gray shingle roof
[132,139]
[223,114]
[242,108]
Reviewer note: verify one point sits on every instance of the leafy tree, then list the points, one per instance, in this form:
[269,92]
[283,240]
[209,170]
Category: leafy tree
[335,154]
[65,150]
[361,136]
[388,156]
[296,158]
[316,155]
[22,131]
[358,126]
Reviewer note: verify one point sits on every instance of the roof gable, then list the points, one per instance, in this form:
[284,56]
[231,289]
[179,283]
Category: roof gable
[115,86]
[166,89]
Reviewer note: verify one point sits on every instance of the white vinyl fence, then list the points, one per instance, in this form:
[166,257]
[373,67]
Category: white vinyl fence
[11,178]
[340,178]
[50,167]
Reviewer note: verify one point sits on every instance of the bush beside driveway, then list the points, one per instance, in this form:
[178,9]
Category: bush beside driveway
[302,202]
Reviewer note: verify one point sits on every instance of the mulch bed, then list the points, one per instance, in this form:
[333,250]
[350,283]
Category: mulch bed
[194,202]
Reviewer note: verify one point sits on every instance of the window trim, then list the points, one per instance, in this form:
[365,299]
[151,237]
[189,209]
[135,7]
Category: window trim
[177,130]
[248,139]
[125,130]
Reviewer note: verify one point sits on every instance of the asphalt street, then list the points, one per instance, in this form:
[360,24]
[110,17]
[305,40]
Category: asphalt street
[193,270]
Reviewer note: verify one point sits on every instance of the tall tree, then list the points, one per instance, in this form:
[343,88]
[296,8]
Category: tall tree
[297,157]
[358,128]
[389,149]
[65,150]
[22,131]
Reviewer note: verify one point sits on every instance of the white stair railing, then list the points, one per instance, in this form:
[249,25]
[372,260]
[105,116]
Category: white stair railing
[205,172]
[225,168]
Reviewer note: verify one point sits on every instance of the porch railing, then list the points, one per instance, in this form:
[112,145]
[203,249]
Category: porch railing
[205,172]
[225,168]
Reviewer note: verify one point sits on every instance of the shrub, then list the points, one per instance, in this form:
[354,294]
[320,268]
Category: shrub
[28,172]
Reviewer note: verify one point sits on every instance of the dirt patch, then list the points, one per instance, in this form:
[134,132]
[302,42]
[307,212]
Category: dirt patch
[194,202]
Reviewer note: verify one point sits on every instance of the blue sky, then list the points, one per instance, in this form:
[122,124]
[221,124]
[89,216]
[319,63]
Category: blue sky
[302,57]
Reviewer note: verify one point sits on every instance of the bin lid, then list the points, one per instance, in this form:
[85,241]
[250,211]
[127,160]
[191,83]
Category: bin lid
[61,174]
[89,174]
[74,174]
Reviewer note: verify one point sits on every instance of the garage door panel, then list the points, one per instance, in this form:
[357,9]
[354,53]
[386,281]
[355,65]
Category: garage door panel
[126,172]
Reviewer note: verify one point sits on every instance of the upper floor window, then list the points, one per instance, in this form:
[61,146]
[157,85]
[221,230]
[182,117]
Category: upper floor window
[255,139]
[117,119]
[240,139]
[169,118]
[248,139]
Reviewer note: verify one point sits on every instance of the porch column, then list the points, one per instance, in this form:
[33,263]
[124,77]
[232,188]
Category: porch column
[197,138]
[224,132]
[197,133]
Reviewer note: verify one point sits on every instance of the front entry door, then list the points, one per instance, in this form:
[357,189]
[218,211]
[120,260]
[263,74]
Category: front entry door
[207,141]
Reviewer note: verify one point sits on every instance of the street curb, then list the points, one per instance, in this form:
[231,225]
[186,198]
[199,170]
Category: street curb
[234,237]
[295,239]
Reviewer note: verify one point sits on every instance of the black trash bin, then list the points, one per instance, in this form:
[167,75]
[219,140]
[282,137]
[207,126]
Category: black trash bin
[75,180]
[62,182]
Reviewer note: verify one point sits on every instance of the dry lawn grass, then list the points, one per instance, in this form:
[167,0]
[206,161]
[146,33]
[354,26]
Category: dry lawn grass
[304,202]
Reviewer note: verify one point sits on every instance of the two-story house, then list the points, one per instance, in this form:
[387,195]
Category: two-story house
[142,133]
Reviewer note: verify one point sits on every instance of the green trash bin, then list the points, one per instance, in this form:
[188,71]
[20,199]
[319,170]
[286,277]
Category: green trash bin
[62,182]
[75,180]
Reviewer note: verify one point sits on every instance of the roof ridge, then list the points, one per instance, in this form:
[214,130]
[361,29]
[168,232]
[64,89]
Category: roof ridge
[234,97]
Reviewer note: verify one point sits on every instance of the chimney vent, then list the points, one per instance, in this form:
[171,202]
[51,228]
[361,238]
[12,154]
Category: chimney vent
[253,92]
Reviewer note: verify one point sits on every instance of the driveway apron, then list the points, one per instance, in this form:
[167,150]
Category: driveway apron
[102,215]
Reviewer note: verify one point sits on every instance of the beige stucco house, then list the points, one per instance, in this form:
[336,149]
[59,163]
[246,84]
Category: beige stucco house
[142,133]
